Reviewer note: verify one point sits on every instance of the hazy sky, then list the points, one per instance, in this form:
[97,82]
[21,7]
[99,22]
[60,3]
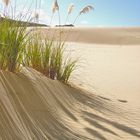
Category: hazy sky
[106,13]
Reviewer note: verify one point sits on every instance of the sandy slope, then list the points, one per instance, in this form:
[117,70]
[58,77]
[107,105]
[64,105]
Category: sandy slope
[114,35]
[110,59]
[33,107]
[112,71]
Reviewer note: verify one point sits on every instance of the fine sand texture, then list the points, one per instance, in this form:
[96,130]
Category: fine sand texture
[112,71]
[33,107]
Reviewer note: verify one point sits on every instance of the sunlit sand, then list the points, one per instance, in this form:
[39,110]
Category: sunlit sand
[103,103]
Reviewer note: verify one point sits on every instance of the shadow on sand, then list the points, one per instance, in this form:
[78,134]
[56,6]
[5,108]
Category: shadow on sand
[90,117]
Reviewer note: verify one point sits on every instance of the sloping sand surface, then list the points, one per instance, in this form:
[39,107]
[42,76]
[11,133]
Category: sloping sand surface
[33,107]
[109,59]
[102,35]
[112,71]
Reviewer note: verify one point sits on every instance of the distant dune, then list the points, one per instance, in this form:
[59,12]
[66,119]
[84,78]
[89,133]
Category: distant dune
[41,109]
[114,35]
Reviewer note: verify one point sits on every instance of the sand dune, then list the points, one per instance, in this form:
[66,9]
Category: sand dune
[41,109]
[102,35]
[33,107]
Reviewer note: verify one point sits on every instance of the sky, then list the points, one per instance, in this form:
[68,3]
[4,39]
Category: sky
[105,13]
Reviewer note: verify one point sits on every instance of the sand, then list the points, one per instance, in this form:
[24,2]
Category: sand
[109,59]
[98,35]
[40,109]
[33,107]
[112,71]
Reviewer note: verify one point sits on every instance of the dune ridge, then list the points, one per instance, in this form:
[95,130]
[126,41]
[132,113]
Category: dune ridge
[42,109]
[95,35]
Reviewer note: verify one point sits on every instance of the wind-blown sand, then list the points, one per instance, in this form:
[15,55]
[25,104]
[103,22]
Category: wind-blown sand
[33,107]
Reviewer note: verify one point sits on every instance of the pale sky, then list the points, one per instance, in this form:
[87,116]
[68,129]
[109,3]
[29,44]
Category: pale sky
[106,13]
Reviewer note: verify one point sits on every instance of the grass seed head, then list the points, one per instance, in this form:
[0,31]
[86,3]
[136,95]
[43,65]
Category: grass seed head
[55,6]
[70,8]
[86,9]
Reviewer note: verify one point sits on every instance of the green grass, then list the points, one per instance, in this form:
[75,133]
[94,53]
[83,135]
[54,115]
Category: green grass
[13,39]
[47,57]
[32,55]
[20,48]
[69,67]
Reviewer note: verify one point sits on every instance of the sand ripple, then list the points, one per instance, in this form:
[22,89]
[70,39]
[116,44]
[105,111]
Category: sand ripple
[33,107]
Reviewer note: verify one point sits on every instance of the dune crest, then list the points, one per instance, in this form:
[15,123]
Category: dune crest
[96,35]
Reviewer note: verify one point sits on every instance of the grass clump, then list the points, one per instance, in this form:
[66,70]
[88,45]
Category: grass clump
[19,48]
[47,57]
[69,67]
[13,39]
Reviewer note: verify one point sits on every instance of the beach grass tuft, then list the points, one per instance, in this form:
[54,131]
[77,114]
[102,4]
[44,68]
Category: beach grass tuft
[20,47]
[47,57]
[12,44]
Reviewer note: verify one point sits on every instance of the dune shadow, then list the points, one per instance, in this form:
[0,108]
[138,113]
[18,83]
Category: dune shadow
[95,133]
[104,98]
[65,133]
[122,101]
[99,126]
[60,103]
[117,125]
[66,110]
[94,102]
